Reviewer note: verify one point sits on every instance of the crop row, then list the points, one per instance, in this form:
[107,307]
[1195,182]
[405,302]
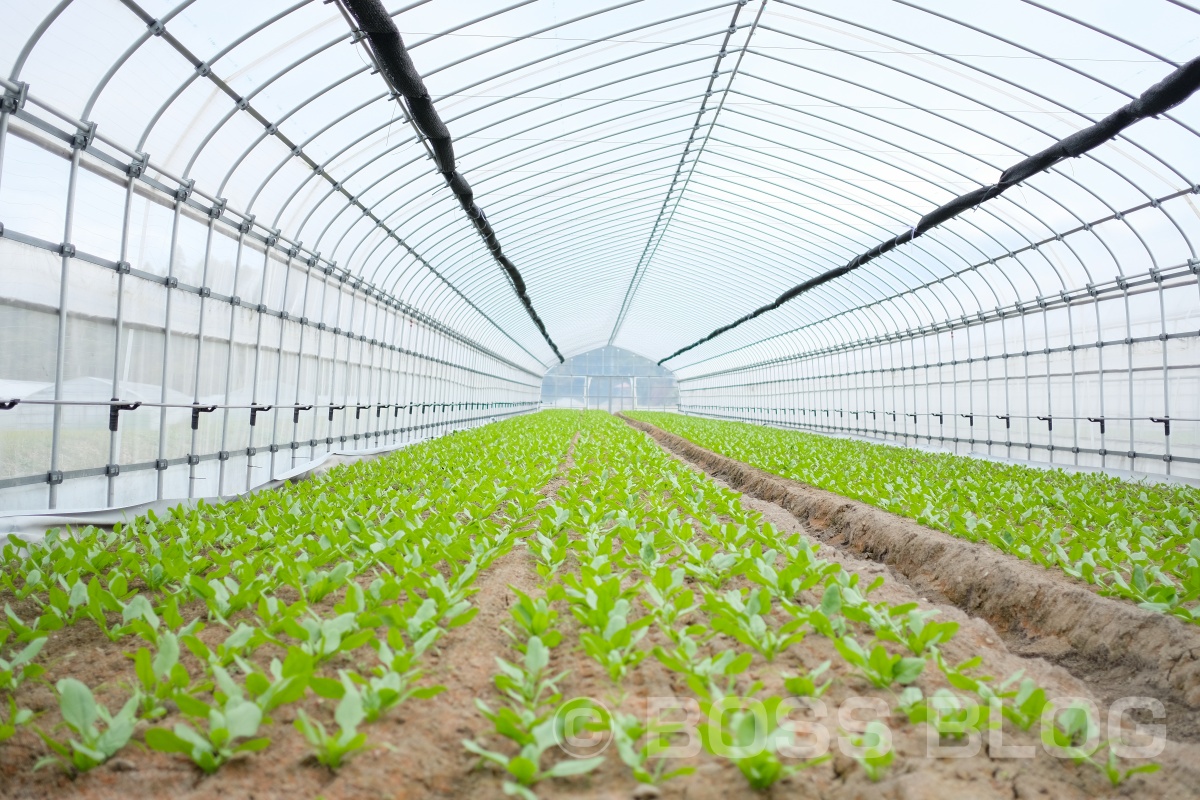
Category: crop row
[654,560]
[340,588]
[336,588]
[1139,541]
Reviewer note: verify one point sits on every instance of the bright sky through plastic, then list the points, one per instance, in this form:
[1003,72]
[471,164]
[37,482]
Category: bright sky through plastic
[844,124]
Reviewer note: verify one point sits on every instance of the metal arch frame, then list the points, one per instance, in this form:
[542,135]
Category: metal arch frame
[1023,88]
[505,157]
[652,241]
[485,179]
[255,91]
[1124,177]
[391,302]
[289,114]
[907,295]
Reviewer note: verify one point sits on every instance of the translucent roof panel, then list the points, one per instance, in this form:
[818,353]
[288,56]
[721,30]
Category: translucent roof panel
[654,169]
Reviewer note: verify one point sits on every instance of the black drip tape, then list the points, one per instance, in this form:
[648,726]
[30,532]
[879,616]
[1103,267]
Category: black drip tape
[1159,98]
[397,66]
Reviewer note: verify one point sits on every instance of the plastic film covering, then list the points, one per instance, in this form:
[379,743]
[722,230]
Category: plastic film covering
[229,245]
[1162,96]
[394,61]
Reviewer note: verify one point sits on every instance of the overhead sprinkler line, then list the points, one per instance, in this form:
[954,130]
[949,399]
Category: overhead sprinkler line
[382,37]
[1159,98]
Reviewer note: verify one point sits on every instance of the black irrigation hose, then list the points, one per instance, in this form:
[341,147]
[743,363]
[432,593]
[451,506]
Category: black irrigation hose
[397,66]
[1159,98]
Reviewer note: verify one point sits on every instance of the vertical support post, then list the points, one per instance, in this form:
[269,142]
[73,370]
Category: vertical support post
[181,196]
[79,143]
[114,437]
[234,303]
[213,215]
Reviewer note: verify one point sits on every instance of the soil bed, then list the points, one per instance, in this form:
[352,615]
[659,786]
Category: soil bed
[418,751]
[1118,648]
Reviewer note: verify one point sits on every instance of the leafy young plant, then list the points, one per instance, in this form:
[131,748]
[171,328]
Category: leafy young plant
[333,750]
[668,598]
[527,683]
[753,741]
[325,638]
[806,685]
[211,748]
[873,750]
[639,745]
[525,768]
[918,633]
[232,718]
[704,674]
[241,641]
[615,647]
[285,681]
[536,617]
[392,682]
[1111,767]
[160,675]
[81,713]
[744,619]
[879,667]
[1072,731]
[20,667]
[947,713]
[16,718]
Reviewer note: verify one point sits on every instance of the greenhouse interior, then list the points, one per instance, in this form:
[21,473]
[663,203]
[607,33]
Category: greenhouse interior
[600,398]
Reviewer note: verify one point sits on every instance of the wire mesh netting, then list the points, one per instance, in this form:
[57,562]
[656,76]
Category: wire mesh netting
[232,241]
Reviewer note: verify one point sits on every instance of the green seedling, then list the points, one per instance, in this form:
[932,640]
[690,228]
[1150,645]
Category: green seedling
[1111,767]
[667,597]
[160,675]
[707,565]
[917,632]
[639,747]
[236,719]
[332,751]
[392,682]
[744,619]
[873,750]
[16,718]
[806,685]
[527,683]
[316,584]
[285,681]
[536,617]
[325,638]
[753,741]
[1072,731]
[524,770]
[19,667]
[615,647]
[550,552]
[947,713]
[240,643]
[878,666]
[710,677]
[81,713]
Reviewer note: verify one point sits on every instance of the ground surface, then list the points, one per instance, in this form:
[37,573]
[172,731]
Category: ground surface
[417,747]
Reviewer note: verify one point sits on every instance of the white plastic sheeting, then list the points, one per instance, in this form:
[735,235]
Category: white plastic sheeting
[253,222]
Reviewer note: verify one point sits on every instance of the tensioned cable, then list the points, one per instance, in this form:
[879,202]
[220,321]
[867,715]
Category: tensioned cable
[1159,98]
[398,69]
